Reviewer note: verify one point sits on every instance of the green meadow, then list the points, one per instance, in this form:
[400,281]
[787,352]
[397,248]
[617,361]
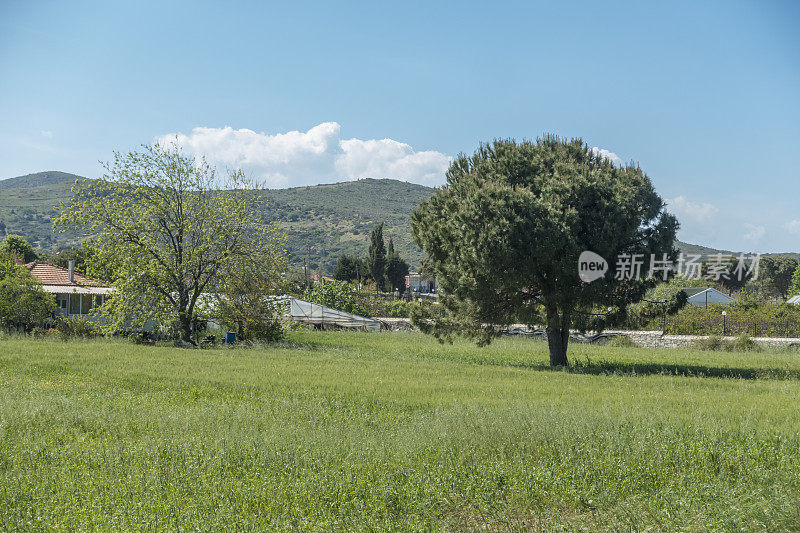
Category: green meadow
[393,431]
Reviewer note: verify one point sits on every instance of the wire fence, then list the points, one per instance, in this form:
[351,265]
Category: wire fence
[724,327]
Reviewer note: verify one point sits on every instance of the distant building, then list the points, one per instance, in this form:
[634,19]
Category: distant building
[317,278]
[702,297]
[75,293]
[421,283]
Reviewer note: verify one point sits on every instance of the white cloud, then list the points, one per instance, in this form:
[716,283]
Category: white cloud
[316,156]
[47,134]
[611,156]
[793,226]
[755,233]
[691,212]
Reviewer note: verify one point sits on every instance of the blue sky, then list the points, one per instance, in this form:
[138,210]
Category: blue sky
[705,97]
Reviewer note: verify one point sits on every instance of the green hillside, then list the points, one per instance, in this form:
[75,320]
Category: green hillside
[335,219]
[27,206]
[328,219]
[696,249]
[322,221]
[50,178]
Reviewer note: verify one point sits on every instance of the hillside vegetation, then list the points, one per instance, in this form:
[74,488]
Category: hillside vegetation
[27,207]
[321,221]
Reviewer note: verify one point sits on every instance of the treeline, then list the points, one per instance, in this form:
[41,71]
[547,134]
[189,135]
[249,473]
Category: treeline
[383,265]
[23,303]
[759,308]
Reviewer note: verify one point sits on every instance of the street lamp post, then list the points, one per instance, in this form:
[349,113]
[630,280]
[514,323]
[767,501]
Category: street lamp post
[724,324]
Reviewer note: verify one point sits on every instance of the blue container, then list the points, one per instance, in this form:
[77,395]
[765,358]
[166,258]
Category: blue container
[230,338]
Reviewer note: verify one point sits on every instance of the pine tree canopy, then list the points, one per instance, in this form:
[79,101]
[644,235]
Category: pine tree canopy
[504,235]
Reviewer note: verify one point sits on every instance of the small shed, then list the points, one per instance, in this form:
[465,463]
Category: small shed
[702,297]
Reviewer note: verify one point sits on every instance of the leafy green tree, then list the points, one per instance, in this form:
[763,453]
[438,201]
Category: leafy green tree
[170,230]
[337,295]
[17,245]
[775,274]
[377,257]
[795,290]
[504,235]
[396,269]
[245,302]
[23,303]
[668,295]
[731,276]
[347,268]
[64,256]
[8,265]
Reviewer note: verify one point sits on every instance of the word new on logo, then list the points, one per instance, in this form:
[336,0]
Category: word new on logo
[591,266]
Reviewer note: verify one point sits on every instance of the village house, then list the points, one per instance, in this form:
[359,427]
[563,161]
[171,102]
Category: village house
[703,297]
[75,293]
[421,283]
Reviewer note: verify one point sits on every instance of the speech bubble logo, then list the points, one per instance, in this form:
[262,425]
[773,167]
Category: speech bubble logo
[591,266]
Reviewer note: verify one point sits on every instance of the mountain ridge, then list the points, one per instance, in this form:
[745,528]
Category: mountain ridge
[38,179]
[321,221]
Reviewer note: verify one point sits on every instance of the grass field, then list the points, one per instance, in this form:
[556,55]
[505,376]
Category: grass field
[393,431]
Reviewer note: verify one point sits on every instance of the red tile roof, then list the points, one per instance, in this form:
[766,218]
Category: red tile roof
[49,274]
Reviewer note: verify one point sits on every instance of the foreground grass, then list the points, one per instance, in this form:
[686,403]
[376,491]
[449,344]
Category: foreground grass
[393,431]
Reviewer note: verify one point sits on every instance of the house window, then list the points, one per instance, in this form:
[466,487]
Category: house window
[74,304]
[63,301]
[86,304]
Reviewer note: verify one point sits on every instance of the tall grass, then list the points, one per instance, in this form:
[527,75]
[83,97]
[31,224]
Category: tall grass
[394,431]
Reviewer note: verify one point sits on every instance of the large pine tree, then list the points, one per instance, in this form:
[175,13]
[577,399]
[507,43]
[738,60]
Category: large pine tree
[504,235]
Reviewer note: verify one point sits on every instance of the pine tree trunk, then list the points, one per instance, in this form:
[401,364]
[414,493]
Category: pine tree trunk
[557,337]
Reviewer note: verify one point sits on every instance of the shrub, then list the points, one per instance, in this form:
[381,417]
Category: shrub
[622,341]
[337,295]
[23,303]
[711,343]
[136,337]
[748,299]
[765,320]
[743,343]
[398,309]
[75,326]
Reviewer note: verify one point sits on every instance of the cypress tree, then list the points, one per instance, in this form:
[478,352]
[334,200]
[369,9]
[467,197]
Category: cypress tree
[377,257]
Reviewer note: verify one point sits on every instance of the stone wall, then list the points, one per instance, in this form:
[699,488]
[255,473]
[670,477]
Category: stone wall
[646,339]
[655,339]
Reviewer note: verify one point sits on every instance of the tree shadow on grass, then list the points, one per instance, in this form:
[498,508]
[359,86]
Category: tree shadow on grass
[609,368]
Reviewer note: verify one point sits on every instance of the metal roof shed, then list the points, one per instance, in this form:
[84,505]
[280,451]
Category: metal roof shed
[305,312]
